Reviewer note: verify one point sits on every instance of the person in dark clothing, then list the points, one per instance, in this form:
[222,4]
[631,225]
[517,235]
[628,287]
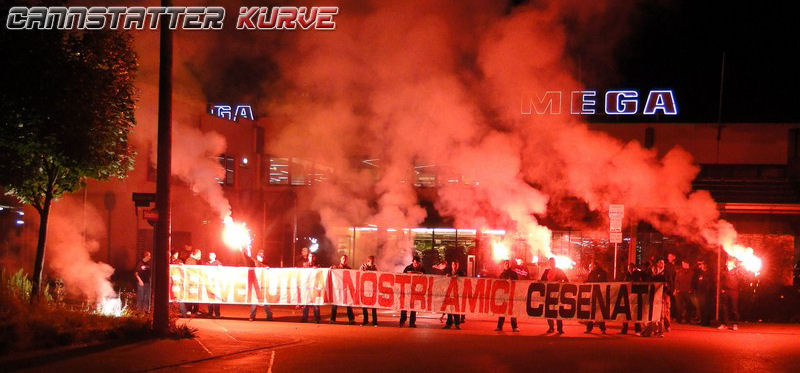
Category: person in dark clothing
[258,262]
[729,298]
[659,274]
[683,292]
[311,263]
[507,274]
[369,266]
[142,274]
[414,267]
[554,274]
[213,308]
[669,289]
[702,292]
[351,317]
[597,274]
[636,275]
[301,258]
[453,317]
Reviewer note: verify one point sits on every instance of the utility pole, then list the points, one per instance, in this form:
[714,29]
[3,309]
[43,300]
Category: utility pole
[164,224]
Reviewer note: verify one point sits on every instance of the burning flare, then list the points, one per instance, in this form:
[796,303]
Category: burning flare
[235,235]
[110,306]
[500,251]
[564,262]
[745,255]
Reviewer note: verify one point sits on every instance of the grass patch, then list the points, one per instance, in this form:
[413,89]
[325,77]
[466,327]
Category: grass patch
[50,323]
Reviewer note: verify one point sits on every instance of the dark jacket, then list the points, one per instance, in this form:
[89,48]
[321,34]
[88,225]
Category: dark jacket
[597,275]
[701,283]
[367,267]
[558,275]
[660,277]
[143,270]
[683,280]
[339,266]
[509,274]
[410,269]
[639,275]
[729,281]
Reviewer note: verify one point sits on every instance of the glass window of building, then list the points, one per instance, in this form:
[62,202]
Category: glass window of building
[229,165]
[278,171]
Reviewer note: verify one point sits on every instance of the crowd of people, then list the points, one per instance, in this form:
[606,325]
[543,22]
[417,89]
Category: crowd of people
[689,293]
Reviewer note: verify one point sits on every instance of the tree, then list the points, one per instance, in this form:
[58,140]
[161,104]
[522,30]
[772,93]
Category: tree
[66,109]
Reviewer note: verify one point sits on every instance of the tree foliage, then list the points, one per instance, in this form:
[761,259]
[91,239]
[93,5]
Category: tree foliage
[66,109]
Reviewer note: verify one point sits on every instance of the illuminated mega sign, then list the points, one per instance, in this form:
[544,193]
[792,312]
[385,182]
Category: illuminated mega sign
[614,102]
[232,112]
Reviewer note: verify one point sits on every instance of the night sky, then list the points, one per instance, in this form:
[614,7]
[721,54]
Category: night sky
[679,45]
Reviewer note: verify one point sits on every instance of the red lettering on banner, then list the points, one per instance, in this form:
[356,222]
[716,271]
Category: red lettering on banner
[211,285]
[272,297]
[319,288]
[451,296]
[225,287]
[429,307]
[349,287]
[176,279]
[252,284]
[511,299]
[192,285]
[240,292]
[475,297]
[403,280]
[371,277]
[499,308]
[293,275]
[386,298]
[417,293]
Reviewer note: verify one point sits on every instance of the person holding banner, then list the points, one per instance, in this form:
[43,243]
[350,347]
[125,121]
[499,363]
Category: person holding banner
[351,317]
[258,262]
[554,274]
[213,308]
[414,267]
[453,317]
[369,266]
[597,274]
[508,274]
[194,259]
[636,275]
[311,263]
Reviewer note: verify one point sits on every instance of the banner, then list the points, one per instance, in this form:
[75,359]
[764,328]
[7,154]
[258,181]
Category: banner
[609,301]
[244,285]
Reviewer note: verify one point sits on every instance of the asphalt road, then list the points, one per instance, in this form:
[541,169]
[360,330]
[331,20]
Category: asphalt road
[285,345]
[388,348]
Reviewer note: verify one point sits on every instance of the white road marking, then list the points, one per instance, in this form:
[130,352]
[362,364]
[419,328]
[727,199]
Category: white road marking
[271,361]
[203,346]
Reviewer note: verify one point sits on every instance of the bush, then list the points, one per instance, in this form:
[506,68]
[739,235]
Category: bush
[48,324]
